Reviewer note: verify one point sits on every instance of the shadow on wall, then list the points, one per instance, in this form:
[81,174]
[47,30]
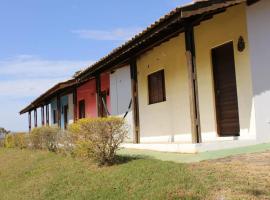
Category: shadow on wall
[258,28]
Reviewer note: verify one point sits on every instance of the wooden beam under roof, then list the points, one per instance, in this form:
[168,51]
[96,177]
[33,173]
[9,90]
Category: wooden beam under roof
[98,92]
[251,2]
[135,101]
[42,116]
[29,121]
[47,115]
[193,85]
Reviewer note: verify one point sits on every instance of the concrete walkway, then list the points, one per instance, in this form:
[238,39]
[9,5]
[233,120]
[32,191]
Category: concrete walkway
[189,158]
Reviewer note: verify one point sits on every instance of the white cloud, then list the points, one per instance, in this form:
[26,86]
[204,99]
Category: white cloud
[118,34]
[28,66]
[28,75]
[25,77]
[23,88]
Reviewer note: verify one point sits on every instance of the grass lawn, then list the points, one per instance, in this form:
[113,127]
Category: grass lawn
[33,175]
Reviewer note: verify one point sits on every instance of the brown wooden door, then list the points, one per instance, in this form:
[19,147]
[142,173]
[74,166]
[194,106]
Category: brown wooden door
[225,90]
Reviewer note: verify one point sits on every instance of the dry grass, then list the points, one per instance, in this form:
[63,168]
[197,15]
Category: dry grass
[238,177]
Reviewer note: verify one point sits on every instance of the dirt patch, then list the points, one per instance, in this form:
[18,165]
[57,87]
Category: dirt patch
[238,177]
[255,159]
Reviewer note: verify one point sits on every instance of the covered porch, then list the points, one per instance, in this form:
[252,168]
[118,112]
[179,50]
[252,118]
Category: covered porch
[57,106]
[205,96]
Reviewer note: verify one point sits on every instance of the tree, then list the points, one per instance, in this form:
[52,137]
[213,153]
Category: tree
[3,132]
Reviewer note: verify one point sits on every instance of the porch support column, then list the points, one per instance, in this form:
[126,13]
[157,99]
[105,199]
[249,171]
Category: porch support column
[193,85]
[135,102]
[75,104]
[35,118]
[58,103]
[47,115]
[98,91]
[29,121]
[42,116]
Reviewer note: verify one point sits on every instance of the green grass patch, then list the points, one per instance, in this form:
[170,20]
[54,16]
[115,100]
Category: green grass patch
[40,175]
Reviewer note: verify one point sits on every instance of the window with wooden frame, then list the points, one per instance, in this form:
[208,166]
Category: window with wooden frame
[156,87]
[81,109]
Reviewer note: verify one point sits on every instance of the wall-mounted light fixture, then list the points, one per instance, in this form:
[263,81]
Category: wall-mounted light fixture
[241,44]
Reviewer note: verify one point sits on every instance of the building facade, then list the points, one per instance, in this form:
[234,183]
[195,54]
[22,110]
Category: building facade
[195,80]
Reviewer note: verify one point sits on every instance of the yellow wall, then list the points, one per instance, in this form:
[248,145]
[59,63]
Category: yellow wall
[224,27]
[172,117]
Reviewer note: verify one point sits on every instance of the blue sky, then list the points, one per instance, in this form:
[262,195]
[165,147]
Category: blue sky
[46,41]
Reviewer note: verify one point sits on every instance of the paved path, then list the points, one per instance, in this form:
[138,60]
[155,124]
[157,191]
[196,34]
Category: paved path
[190,158]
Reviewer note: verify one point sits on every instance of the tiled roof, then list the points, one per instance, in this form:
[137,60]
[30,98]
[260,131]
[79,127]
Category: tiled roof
[41,100]
[196,7]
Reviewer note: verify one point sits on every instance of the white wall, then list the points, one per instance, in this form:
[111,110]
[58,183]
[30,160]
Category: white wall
[120,94]
[258,16]
[70,109]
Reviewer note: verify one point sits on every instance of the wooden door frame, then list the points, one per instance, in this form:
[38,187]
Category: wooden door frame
[214,90]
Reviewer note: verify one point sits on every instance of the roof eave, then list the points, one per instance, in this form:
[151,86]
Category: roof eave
[182,13]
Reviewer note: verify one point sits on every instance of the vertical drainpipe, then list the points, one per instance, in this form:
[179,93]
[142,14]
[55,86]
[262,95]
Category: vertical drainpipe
[193,84]
[58,103]
[98,92]
[29,121]
[135,102]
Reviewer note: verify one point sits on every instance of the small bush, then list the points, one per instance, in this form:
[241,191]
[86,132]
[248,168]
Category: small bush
[98,138]
[21,140]
[9,141]
[44,138]
[2,142]
[15,140]
[65,142]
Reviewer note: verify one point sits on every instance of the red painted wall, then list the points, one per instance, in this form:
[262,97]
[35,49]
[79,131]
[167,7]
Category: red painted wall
[105,86]
[87,92]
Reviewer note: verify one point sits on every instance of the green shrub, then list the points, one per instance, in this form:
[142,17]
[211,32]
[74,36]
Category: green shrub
[2,142]
[44,138]
[98,138]
[9,141]
[16,140]
[21,140]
